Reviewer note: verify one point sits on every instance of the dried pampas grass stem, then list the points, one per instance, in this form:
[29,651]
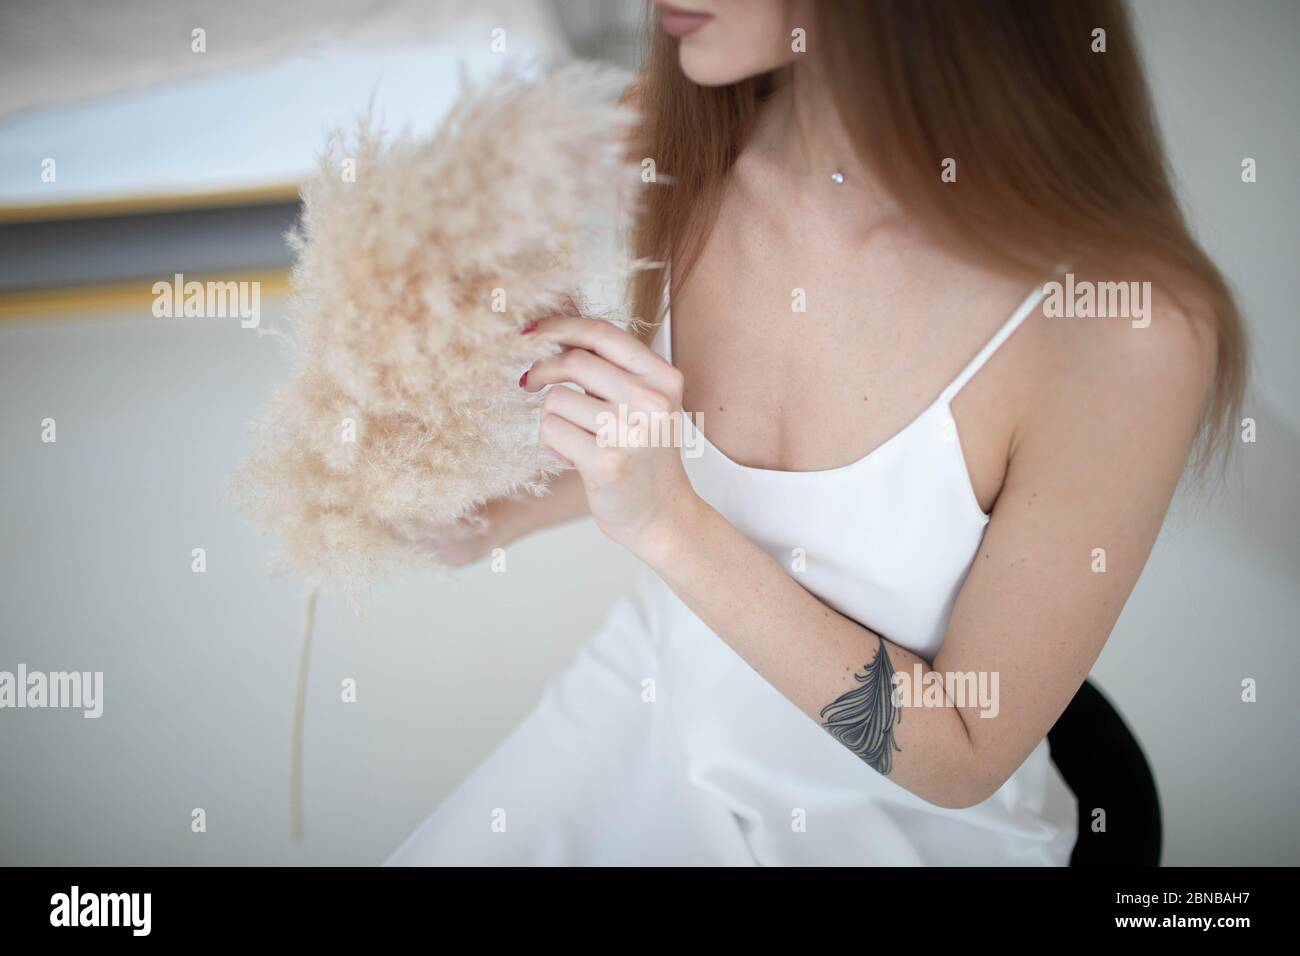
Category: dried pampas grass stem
[299,717]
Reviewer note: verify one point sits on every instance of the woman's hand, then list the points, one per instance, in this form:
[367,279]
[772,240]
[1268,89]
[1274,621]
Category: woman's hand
[624,435]
[503,521]
[489,527]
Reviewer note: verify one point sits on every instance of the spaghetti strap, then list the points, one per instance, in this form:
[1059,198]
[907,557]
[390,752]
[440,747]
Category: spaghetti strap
[666,324]
[1023,312]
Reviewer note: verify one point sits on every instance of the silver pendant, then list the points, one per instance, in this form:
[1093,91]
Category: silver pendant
[837,176]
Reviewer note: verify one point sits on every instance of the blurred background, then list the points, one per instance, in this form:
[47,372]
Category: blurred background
[143,138]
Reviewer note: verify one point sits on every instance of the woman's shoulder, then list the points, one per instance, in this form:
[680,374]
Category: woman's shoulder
[1130,331]
[1119,360]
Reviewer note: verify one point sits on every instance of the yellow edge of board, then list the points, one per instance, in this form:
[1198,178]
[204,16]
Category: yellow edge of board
[153,202]
[77,301]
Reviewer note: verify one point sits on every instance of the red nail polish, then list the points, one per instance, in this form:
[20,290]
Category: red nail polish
[530,327]
[523,380]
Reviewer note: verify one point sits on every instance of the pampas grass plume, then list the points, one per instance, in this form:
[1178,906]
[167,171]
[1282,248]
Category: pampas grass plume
[412,282]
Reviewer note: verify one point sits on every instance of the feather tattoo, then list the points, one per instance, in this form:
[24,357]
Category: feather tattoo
[863,718]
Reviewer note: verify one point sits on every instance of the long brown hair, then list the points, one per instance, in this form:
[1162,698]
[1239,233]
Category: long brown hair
[1060,158]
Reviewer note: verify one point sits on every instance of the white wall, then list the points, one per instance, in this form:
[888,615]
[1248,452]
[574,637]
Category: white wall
[1219,601]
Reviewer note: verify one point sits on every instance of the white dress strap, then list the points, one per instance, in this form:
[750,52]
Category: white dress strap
[1026,309]
[666,324]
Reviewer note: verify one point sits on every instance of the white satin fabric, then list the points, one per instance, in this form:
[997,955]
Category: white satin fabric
[659,745]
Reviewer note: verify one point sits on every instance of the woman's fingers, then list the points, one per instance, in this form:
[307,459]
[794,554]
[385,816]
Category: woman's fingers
[631,400]
[615,346]
[595,375]
[575,445]
[582,410]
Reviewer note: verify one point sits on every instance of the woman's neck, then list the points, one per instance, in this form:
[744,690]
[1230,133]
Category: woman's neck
[808,135]
[801,138]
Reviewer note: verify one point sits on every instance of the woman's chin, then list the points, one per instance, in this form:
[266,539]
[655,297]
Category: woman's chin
[708,70]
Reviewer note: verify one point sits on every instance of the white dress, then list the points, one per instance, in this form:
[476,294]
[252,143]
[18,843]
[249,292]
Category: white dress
[660,745]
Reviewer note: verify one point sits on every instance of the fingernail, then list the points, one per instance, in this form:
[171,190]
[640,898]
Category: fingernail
[530,327]
[523,379]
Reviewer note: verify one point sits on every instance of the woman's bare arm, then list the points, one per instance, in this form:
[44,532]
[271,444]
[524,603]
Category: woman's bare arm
[1093,467]
[509,519]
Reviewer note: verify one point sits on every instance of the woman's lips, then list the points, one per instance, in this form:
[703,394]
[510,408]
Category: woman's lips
[680,23]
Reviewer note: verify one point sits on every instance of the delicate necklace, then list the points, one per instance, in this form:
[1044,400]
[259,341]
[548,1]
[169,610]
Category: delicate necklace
[837,177]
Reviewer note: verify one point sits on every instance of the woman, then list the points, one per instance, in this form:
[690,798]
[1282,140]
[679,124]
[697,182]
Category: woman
[934,465]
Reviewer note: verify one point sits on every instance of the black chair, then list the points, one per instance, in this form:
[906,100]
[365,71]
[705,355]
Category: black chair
[1103,764]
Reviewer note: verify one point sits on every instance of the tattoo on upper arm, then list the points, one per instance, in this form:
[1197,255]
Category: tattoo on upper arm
[863,718]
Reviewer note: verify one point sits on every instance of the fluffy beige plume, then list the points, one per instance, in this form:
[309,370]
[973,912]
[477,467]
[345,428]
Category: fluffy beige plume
[412,283]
